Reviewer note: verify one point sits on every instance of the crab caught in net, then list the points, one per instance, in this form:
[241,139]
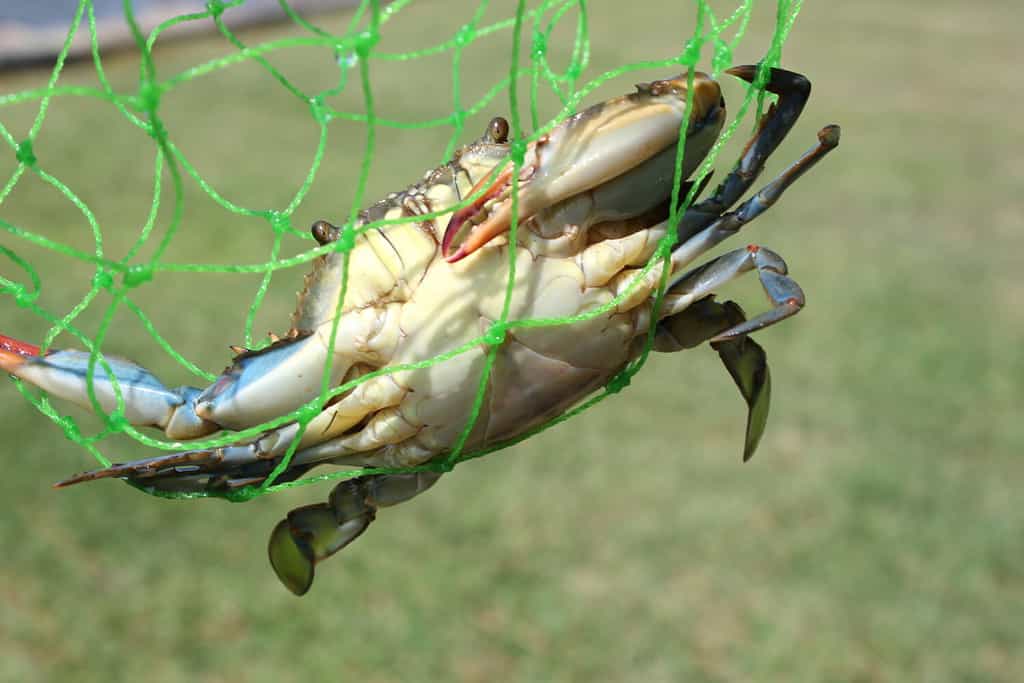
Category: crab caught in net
[482,256]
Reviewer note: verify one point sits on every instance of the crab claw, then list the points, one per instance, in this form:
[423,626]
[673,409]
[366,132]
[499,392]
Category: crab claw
[477,238]
[592,148]
[146,400]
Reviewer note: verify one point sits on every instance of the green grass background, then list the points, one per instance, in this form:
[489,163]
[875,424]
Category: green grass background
[877,535]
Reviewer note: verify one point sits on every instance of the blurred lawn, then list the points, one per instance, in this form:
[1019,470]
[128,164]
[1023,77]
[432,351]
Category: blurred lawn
[877,535]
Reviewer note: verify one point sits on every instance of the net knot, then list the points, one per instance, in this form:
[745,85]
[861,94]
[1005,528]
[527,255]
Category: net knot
[242,495]
[495,334]
[540,45]
[346,240]
[103,279]
[318,110]
[280,222]
[24,153]
[619,382]
[464,36]
[517,151]
[136,275]
[148,98]
[665,245]
[22,297]
[722,58]
[215,8]
[116,422]
[691,53]
[70,428]
[306,413]
[364,42]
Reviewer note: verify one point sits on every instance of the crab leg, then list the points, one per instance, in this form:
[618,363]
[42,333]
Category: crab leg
[718,230]
[793,90]
[257,387]
[238,399]
[693,325]
[205,462]
[265,384]
[729,224]
[784,293]
[242,464]
[315,532]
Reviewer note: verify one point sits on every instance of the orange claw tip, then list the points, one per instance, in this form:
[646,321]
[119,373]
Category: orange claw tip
[481,234]
[454,224]
[19,347]
[459,254]
[13,353]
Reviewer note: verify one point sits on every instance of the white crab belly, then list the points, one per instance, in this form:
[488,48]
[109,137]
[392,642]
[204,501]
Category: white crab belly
[538,373]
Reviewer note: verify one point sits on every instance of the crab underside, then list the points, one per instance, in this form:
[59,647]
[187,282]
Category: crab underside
[592,201]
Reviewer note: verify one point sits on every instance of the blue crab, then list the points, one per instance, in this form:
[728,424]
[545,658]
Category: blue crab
[593,202]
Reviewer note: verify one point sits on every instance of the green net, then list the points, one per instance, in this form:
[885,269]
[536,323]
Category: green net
[527,33]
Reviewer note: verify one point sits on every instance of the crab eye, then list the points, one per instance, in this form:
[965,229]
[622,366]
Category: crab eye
[497,130]
[324,232]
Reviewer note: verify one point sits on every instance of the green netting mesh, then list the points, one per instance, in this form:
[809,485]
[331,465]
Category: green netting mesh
[527,32]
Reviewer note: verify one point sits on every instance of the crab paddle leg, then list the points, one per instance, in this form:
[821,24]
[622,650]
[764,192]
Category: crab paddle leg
[744,358]
[747,363]
[315,532]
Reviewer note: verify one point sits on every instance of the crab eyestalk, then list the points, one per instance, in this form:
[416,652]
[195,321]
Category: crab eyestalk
[592,148]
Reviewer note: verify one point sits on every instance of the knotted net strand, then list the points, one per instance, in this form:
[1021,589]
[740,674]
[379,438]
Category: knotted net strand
[353,50]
